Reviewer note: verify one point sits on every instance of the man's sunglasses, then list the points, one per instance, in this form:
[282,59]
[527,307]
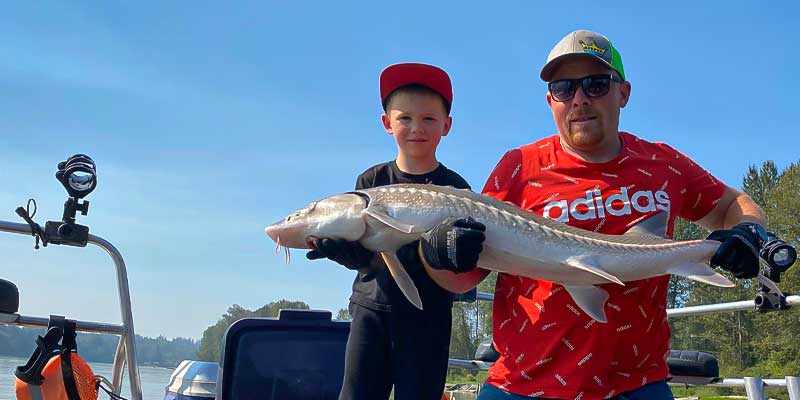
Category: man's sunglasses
[593,85]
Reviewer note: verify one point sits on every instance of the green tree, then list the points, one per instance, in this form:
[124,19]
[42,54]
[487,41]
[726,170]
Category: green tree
[777,349]
[679,287]
[472,323]
[759,183]
[462,340]
[212,337]
[484,308]
[748,343]
[344,315]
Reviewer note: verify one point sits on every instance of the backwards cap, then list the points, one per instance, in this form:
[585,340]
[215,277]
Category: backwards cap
[583,43]
[397,75]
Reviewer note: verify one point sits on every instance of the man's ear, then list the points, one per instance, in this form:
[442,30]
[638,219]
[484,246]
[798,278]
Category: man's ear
[625,93]
[387,124]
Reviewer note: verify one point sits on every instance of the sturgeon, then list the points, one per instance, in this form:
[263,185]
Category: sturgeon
[518,242]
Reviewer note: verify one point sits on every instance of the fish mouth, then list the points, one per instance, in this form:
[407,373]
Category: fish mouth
[288,236]
[310,242]
[271,231]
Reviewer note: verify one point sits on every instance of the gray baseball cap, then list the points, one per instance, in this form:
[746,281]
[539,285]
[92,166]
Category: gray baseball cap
[582,43]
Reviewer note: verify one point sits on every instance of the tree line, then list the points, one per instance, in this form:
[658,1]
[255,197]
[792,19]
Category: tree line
[748,343]
[20,342]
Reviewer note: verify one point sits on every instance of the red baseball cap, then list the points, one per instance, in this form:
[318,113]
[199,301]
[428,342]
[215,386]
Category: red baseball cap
[397,75]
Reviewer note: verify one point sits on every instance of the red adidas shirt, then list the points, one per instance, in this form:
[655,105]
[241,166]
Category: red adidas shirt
[549,347]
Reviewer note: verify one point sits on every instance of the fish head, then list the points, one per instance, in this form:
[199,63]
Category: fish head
[336,217]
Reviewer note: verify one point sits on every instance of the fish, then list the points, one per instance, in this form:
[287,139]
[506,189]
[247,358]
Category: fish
[518,242]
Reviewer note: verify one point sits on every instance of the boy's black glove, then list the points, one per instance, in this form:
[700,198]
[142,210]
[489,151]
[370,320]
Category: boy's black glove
[350,254]
[739,250]
[453,245]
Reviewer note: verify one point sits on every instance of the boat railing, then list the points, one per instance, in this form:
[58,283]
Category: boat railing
[754,386]
[126,347]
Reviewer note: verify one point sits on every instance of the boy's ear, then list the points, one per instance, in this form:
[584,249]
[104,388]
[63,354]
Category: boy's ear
[447,124]
[387,124]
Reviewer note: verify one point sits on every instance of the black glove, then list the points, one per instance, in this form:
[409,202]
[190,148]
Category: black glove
[739,250]
[453,245]
[350,254]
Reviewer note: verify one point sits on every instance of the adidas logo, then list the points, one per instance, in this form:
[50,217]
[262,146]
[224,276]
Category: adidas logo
[595,206]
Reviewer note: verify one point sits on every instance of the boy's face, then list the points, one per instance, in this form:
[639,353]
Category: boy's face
[417,121]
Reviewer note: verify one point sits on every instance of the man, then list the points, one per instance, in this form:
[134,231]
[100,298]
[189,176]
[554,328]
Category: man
[593,176]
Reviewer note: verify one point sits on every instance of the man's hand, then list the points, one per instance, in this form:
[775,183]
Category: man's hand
[739,250]
[350,254]
[453,245]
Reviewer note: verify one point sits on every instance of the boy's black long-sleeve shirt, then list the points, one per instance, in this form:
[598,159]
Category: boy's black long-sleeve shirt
[377,289]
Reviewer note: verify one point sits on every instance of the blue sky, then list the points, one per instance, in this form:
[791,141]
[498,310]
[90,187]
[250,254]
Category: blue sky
[210,121]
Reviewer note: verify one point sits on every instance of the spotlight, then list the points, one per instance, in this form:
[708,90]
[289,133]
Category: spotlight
[78,175]
[778,254]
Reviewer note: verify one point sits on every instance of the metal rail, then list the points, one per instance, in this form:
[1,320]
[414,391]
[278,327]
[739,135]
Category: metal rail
[744,305]
[754,387]
[126,348]
[747,305]
[41,322]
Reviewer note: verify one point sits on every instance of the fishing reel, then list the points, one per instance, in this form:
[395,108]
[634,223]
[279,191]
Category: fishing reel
[78,175]
[776,256]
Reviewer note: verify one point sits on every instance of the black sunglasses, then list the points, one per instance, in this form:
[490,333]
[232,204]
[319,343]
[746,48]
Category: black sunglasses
[593,85]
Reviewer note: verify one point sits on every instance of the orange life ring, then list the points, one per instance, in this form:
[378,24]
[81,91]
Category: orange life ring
[55,371]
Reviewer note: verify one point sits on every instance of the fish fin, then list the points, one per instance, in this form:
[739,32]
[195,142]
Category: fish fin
[591,299]
[701,273]
[381,216]
[652,229]
[589,265]
[402,278]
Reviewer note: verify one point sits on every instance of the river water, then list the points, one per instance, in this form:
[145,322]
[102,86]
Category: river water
[154,380]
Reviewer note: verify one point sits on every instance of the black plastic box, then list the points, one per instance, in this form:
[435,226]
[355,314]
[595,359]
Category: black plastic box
[298,356]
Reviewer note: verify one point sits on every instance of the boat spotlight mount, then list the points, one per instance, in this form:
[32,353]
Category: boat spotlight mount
[78,175]
[777,256]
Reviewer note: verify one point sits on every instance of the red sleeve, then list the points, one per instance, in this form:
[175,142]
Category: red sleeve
[701,191]
[501,183]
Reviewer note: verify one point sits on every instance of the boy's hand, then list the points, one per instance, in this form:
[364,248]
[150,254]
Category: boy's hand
[453,245]
[739,250]
[352,255]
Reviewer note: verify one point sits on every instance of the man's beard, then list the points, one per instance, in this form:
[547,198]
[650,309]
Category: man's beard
[587,136]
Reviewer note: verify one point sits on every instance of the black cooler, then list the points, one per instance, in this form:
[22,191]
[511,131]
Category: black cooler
[298,356]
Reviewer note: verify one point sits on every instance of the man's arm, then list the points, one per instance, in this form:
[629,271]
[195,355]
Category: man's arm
[733,208]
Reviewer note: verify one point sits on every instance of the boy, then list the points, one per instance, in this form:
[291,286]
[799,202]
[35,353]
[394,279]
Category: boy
[391,342]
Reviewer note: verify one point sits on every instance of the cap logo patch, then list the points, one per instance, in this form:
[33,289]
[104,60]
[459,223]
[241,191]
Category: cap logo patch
[592,48]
